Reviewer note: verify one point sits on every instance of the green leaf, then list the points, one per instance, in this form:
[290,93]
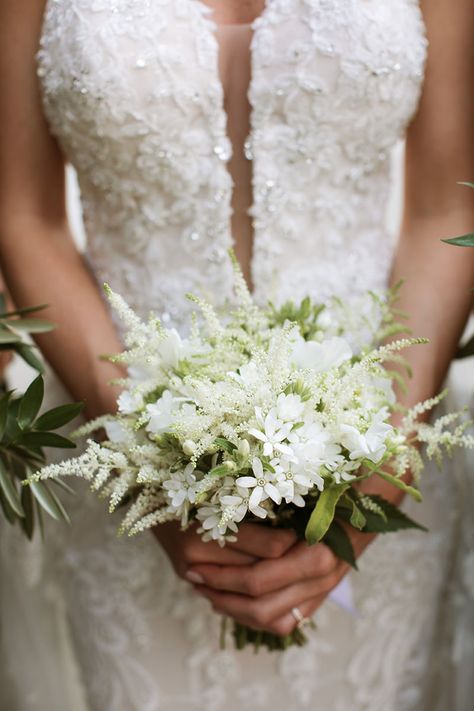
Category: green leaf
[58,416]
[37,440]
[220,470]
[23,312]
[27,501]
[323,513]
[338,541]
[65,487]
[8,512]
[463,241]
[31,402]
[394,519]
[9,490]
[26,352]
[357,518]
[48,501]
[7,336]
[32,325]
[4,404]
[400,484]
[224,444]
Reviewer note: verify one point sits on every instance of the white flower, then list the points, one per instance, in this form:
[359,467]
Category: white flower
[263,485]
[371,444]
[180,489]
[314,448]
[289,407]
[235,506]
[248,375]
[116,432]
[272,434]
[321,356]
[161,413]
[292,486]
[129,402]
[172,349]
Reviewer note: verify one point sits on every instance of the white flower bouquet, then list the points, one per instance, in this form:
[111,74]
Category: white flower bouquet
[263,414]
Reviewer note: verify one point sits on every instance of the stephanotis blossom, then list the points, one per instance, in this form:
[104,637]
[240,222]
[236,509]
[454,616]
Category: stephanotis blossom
[160,414]
[321,356]
[273,432]
[180,489]
[370,444]
[264,484]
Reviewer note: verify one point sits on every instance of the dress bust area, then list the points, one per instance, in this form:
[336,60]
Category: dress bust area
[233,30]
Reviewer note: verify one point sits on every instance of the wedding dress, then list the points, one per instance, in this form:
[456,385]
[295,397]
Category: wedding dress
[131,90]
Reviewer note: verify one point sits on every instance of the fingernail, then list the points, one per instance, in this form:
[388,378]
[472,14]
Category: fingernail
[194,577]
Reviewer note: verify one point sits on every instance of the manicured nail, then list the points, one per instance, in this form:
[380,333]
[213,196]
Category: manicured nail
[194,577]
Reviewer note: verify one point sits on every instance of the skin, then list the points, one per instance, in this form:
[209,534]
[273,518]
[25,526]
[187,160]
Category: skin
[267,572]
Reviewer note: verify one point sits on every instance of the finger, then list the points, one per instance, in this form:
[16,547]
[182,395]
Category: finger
[186,548]
[263,542]
[288,623]
[199,552]
[300,563]
[260,613]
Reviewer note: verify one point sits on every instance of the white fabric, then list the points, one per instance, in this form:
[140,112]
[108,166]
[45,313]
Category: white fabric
[131,89]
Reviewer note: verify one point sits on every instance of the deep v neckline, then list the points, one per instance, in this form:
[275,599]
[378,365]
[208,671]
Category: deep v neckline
[213,28]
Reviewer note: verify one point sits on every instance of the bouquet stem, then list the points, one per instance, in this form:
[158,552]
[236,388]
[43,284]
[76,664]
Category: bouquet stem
[247,637]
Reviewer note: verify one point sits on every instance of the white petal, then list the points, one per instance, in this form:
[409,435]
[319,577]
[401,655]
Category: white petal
[268,449]
[255,498]
[257,434]
[272,492]
[248,482]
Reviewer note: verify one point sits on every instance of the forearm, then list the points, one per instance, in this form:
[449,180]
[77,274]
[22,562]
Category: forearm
[436,296]
[41,265]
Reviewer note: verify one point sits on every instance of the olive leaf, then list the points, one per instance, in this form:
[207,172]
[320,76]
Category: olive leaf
[24,433]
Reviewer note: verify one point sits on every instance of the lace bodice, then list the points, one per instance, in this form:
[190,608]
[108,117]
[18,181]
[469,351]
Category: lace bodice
[132,91]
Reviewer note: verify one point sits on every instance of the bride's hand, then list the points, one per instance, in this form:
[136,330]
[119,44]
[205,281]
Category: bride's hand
[262,595]
[185,549]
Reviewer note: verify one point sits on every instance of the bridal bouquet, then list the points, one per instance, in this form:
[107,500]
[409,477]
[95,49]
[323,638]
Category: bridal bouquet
[261,414]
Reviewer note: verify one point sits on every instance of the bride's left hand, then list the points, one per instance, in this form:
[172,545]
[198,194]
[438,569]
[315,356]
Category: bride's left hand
[262,595]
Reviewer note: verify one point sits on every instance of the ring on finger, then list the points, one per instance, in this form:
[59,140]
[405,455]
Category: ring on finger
[301,620]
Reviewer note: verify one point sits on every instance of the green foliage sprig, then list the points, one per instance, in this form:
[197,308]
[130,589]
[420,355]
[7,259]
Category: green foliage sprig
[24,433]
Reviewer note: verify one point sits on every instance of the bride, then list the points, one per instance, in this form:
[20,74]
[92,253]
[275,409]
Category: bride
[194,125]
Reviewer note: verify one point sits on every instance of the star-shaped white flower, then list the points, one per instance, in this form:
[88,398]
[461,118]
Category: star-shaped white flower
[262,485]
[272,433]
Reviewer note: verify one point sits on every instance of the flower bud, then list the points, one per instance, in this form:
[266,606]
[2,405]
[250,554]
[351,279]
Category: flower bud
[189,447]
[243,448]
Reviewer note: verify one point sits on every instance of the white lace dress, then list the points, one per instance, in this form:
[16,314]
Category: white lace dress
[132,92]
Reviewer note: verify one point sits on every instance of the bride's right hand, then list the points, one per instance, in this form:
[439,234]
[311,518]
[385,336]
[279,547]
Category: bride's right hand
[186,549]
